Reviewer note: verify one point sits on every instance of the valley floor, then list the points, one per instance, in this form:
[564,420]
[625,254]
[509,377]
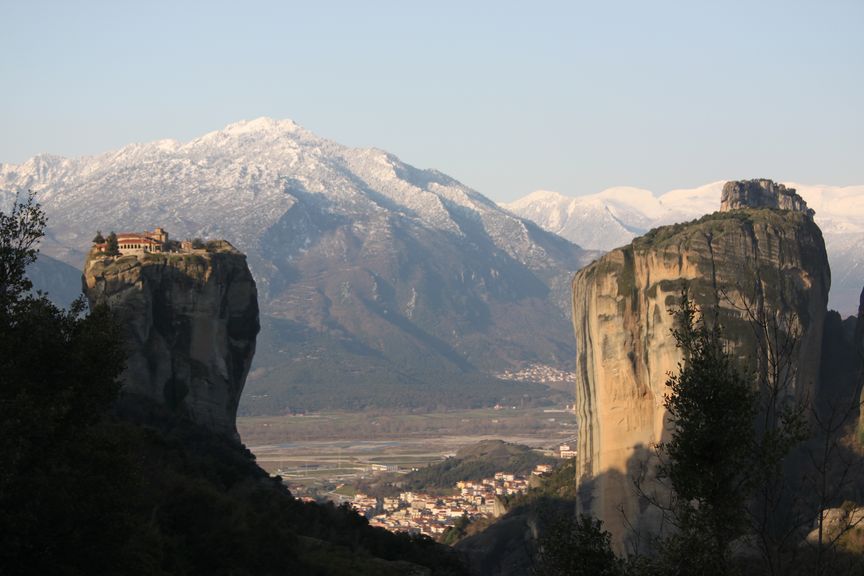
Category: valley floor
[317,453]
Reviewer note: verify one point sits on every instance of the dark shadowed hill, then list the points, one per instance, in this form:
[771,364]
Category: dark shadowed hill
[475,462]
[60,281]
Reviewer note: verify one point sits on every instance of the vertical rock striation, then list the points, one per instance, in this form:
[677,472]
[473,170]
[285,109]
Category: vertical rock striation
[859,350]
[190,322]
[753,254]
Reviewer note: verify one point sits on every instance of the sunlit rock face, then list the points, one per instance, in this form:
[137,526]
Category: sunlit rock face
[767,260]
[761,193]
[190,323]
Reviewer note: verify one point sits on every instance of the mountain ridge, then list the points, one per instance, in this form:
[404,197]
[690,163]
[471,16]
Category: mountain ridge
[394,275]
[839,211]
[761,272]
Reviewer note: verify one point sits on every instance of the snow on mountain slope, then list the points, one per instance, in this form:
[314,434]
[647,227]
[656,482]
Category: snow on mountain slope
[687,203]
[380,283]
[840,215]
[613,217]
[613,221]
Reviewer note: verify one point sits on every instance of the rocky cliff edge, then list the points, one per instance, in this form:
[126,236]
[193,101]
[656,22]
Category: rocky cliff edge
[752,254]
[761,193]
[190,322]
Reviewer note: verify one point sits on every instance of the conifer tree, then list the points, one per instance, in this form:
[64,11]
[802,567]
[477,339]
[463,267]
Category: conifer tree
[113,249]
[709,458]
[63,467]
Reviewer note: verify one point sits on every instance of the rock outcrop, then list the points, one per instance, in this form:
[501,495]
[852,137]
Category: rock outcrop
[421,288]
[190,321]
[747,256]
[761,193]
[859,349]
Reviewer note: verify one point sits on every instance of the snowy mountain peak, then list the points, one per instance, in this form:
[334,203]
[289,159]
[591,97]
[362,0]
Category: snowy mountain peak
[393,273]
[614,216]
[544,196]
[261,130]
[262,124]
[626,194]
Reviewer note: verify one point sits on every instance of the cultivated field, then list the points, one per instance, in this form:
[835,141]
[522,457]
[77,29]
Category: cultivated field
[317,452]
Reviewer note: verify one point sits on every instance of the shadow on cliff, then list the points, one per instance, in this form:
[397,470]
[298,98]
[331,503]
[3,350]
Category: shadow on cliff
[190,323]
[508,547]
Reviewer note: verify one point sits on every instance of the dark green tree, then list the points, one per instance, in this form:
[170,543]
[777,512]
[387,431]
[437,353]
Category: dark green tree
[457,531]
[112,249]
[83,492]
[709,459]
[576,546]
[98,239]
[64,472]
[20,231]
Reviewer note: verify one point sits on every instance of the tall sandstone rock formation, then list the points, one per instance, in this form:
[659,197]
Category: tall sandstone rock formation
[190,321]
[762,251]
[859,349]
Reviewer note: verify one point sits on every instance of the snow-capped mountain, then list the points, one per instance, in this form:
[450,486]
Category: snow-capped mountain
[614,216]
[379,283]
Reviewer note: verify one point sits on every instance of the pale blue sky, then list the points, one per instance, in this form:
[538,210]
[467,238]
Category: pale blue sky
[507,97]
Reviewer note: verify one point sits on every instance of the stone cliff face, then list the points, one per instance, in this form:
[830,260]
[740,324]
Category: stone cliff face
[859,349]
[761,193]
[190,322]
[770,260]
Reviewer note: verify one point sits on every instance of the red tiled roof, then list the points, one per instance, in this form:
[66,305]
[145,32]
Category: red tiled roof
[141,239]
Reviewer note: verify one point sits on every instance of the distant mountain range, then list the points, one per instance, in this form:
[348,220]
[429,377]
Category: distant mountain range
[380,284]
[613,217]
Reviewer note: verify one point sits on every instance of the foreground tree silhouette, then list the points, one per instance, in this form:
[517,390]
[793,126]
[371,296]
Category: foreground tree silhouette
[20,231]
[62,467]
[709,458]
[575,547]
[83,492]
